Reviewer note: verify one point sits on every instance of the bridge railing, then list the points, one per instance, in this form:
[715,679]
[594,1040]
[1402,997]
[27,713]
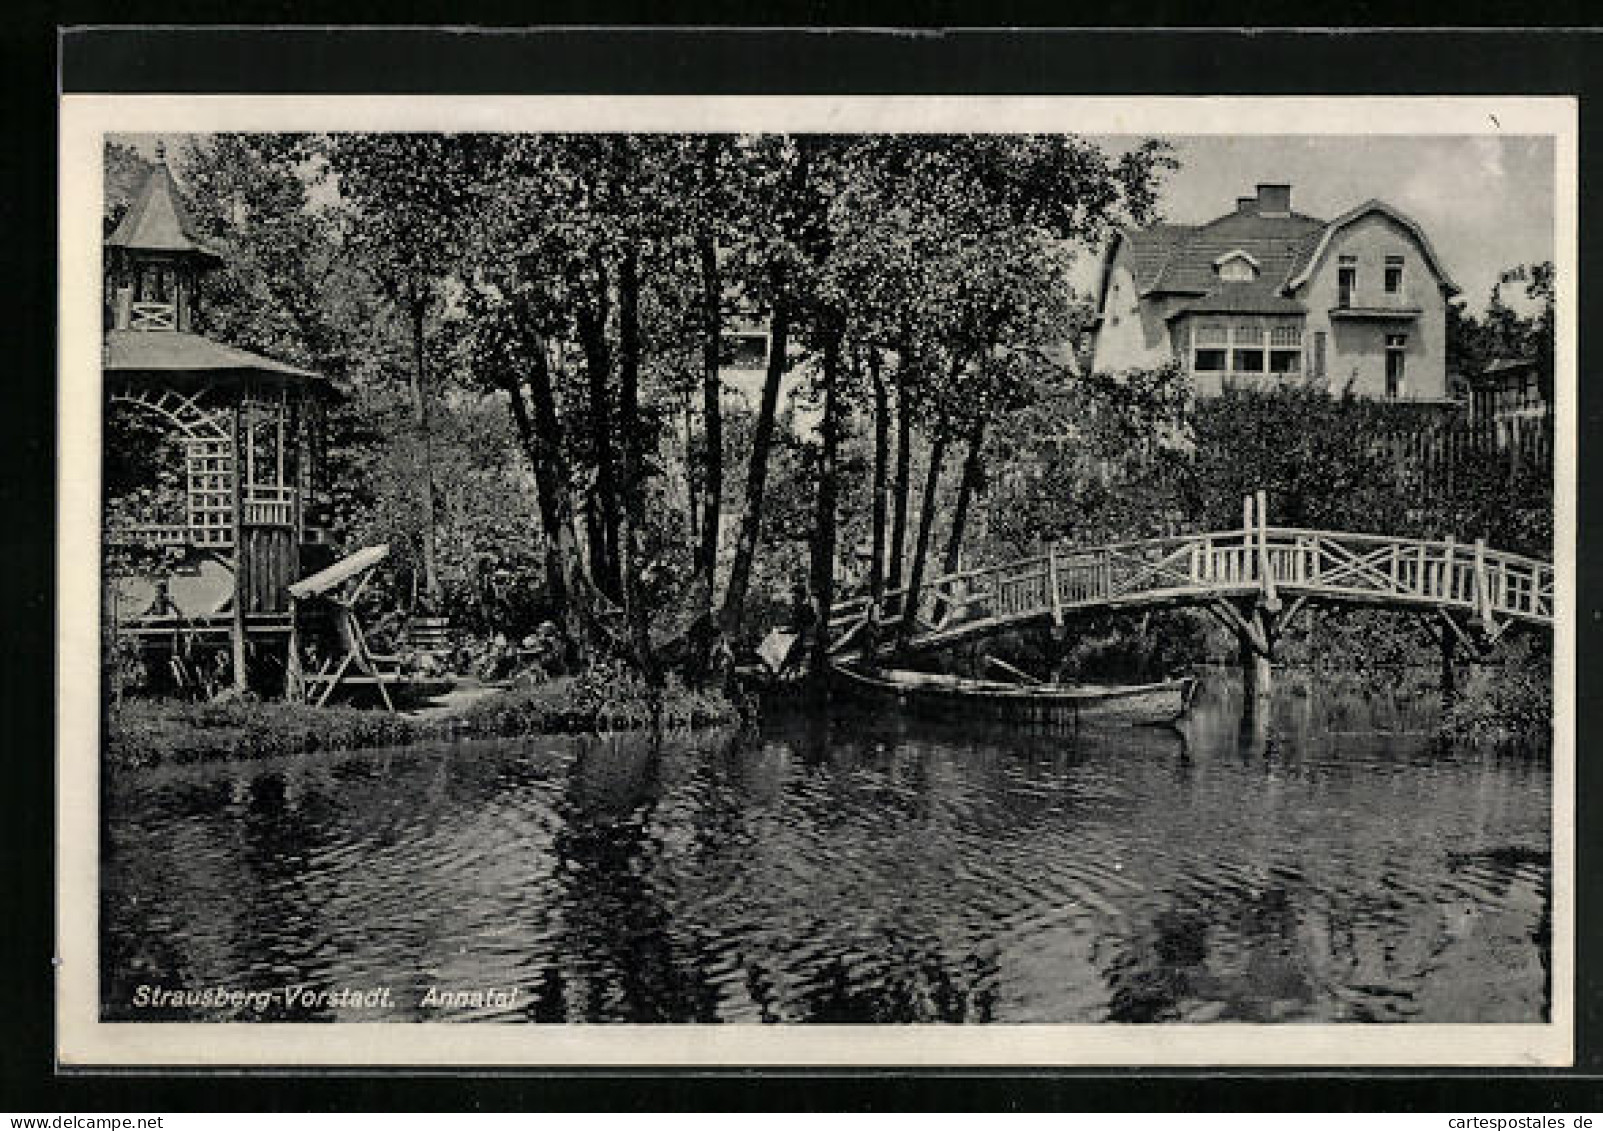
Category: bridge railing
[1489,582]
[1357,568]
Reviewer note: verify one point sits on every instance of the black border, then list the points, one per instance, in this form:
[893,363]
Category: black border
[592,60]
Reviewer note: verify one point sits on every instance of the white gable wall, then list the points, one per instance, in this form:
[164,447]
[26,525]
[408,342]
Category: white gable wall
[1133,334]
[1356,348]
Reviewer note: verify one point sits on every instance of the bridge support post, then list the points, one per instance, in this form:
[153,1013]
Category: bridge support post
[1449,654]
[1257,666]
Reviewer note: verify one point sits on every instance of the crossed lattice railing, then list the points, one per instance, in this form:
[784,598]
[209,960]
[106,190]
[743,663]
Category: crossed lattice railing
[1360,569]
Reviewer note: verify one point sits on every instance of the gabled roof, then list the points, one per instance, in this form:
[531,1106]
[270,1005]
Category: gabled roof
[158,221]
[1271,241]
[1179,259]
[1308,256]
[171,351]
[1237,253]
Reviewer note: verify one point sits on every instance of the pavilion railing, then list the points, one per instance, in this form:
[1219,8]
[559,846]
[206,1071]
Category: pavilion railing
[153,316]
[269,506]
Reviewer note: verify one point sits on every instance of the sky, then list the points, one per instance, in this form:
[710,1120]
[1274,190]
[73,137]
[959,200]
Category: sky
[1486,203]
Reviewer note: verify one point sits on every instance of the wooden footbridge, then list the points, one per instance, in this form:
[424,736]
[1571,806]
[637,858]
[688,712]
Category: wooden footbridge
[1256,580]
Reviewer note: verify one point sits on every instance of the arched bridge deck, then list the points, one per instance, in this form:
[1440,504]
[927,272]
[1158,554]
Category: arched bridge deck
[1478,588]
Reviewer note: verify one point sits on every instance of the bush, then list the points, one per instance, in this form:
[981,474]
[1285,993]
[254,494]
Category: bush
[1507,704]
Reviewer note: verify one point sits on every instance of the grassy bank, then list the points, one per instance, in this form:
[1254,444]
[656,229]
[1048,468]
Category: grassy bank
[142,733]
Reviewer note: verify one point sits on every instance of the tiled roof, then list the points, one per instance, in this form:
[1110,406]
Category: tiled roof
[1261,296]
[1273,241]
[158,221]
[1303,254]
[166,351]
[1179,259]
[1150,250]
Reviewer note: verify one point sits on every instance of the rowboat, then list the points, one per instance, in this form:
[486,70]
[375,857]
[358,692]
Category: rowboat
[926,693]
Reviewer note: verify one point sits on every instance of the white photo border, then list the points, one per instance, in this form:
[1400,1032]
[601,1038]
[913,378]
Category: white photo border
[84,1041]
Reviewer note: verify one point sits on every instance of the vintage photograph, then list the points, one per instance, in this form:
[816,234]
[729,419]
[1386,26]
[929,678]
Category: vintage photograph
[814,576]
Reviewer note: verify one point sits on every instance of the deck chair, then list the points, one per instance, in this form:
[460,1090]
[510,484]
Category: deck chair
[356,664]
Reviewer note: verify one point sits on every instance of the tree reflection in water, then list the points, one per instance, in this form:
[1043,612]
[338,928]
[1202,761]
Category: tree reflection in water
[618,942]
[868,868]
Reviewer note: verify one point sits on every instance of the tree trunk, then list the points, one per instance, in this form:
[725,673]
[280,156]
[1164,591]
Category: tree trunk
[757,471]
[542,442]
[591,321]
[904,472]
[712,418]
[823,548]
[763,433]
[926,522]
[965,494]
[420,418]
[692,484]
[636,614]
[595,540]
[882,439]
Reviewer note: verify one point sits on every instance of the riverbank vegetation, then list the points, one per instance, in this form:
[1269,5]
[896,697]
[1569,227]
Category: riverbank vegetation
[141,733]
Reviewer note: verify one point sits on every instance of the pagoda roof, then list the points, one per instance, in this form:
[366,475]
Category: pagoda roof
[158,221]
[174,352]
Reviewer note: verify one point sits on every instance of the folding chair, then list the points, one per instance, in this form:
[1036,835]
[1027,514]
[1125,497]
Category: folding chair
[341,584]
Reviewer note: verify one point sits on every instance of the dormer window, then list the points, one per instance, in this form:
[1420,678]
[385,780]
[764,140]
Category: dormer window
[1236,267]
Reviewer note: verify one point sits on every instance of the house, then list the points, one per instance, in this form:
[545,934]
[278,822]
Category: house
[1266,295]
[1508,393]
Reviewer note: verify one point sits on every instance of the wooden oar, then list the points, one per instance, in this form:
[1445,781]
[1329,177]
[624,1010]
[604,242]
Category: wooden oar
[1022,677]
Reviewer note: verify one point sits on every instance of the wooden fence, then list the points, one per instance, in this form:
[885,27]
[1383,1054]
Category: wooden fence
[1434,459]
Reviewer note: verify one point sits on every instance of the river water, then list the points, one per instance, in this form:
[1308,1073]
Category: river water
[1343,866]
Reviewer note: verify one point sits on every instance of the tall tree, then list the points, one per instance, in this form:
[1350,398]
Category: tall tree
[712,300]
[408,194]
[628,190]
[780,175]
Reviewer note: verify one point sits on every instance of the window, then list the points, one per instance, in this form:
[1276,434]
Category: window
[1236,267]
[1208,353]
[1394,274]
[1247,356]
[1396,344]
[1319,353]
[1346,280]
[1286,362]
[1237,270]
[155,285]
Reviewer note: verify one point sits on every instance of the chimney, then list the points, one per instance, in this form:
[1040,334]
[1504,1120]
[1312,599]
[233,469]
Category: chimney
[1274,200]
[1246,205]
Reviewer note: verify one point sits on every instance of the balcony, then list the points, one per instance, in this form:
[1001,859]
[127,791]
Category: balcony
[1383,312]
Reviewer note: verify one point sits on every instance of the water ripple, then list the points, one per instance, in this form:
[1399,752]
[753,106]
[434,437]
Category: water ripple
[1342,867]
